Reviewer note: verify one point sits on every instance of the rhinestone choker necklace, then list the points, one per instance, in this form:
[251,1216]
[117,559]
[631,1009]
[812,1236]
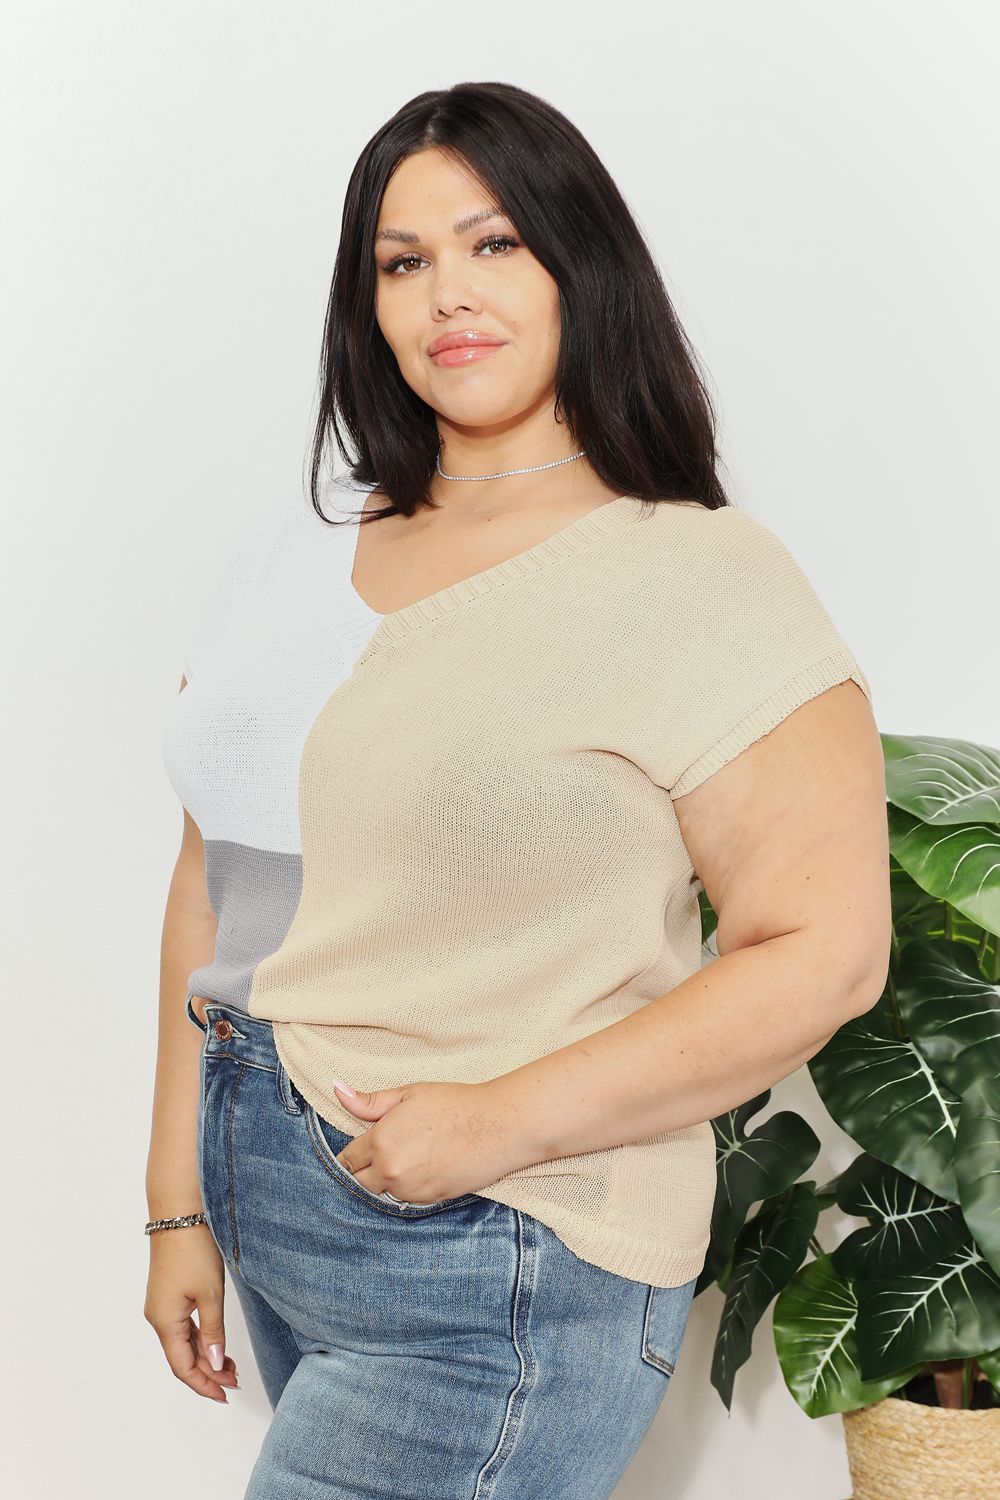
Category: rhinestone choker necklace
[506,473]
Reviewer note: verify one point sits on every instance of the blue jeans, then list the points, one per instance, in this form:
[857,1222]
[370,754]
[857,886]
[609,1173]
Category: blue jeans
[431,1351]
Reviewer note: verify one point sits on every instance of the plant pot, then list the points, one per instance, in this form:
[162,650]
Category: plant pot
[905,1450]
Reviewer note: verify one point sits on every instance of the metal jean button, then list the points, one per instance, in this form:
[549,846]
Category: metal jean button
[223,1030]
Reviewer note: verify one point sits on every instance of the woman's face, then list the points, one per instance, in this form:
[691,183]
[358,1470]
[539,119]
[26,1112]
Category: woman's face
[438,274]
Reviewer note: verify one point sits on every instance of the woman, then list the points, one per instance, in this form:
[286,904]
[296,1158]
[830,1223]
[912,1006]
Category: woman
[452,783]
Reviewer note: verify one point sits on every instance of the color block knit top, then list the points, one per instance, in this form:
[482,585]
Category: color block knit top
[441,842]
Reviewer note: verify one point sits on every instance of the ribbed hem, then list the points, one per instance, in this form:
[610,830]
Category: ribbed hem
[616,1250]
[838,666]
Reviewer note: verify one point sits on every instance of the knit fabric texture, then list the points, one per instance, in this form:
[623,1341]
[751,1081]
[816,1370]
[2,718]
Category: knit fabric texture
[442,842]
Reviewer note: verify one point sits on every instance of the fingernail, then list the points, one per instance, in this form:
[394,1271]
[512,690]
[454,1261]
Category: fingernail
[215,1353]
[343,1088]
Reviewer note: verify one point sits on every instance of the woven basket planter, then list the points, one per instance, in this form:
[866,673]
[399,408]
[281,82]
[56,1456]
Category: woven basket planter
[904,1450]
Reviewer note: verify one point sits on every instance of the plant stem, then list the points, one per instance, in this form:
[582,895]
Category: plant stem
[966,1383]
[815,1246]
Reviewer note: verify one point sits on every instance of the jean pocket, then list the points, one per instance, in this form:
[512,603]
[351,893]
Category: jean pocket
[320,1132]
[663,1328]
[191,1013]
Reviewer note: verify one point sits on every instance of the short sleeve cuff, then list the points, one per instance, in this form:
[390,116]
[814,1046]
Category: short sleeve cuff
[838,666]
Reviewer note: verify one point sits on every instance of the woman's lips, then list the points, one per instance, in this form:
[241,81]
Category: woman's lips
[465,355]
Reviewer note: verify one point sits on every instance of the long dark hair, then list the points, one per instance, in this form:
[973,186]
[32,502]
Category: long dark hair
[627,381]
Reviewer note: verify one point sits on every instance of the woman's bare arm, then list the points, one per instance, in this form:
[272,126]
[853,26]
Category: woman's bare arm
[790,840]
[188,941]
[186,1272]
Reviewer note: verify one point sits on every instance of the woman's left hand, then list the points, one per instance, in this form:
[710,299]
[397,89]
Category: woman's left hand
[431,1140]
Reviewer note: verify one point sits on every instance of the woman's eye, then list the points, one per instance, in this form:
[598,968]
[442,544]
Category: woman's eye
[400,263]
[400,260]
[496,239]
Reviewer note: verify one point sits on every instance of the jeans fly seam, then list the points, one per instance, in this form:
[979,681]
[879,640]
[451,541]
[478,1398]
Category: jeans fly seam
[230,1190]
[527,1256]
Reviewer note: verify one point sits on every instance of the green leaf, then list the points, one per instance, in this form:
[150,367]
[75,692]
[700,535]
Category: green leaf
[814,1335]
[880,1088]
[942,780]
[750,1168]
[909,1227]
[977,1165]
[768,1252]
[950,1310]
[948,1009]
[960,864]
[914,911]
[709,920]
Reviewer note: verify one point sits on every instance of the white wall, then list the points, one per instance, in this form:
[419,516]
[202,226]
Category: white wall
[819,183]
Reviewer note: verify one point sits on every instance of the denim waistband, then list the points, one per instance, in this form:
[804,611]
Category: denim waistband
[230,1031]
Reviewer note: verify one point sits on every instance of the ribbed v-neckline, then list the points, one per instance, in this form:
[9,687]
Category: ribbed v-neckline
[603,521]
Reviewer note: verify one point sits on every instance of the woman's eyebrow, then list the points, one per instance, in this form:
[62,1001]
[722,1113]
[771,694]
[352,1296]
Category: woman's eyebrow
[461,226]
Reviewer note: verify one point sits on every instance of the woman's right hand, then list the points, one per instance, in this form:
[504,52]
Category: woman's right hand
[186,1271]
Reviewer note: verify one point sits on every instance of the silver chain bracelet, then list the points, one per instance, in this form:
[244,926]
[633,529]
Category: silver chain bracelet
[179,1223]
